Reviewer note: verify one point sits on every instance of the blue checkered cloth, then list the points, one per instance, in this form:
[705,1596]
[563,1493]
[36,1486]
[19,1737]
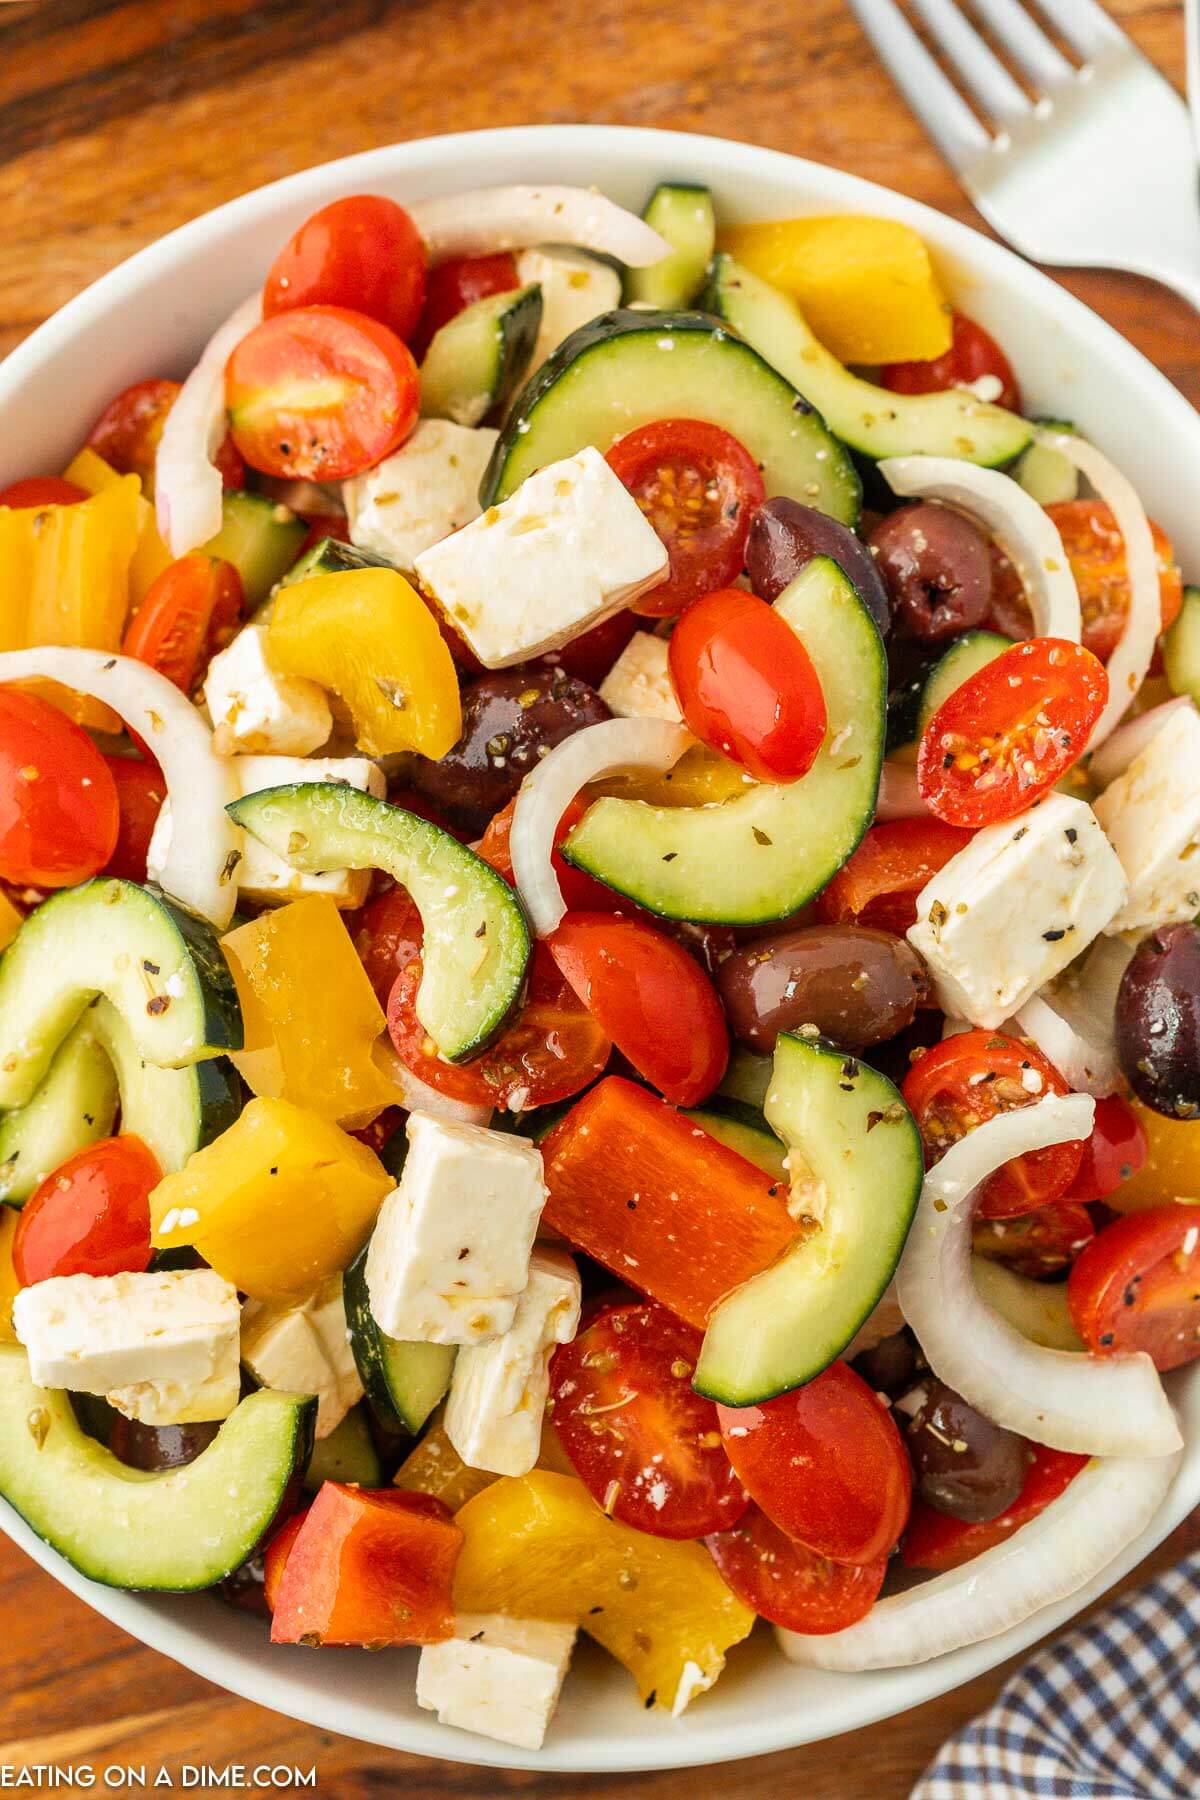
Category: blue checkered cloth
[1109,1712]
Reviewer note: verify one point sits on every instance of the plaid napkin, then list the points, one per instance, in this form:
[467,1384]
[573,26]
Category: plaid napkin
[1109,1712]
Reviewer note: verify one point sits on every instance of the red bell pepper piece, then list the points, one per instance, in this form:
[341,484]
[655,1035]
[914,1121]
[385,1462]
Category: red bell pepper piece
[936,1541]
[276,1554]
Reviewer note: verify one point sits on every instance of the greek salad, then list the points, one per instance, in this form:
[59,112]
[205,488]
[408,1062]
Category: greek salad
[600,1021]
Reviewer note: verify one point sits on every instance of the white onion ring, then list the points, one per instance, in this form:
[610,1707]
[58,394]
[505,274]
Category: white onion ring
[1102,1406]
[1087,1065]
[187,484]
[1128,741]
[200,869]
[415,1095]
[899,795]
[488,220]
[1106,1506]
[1024,531]
[546,792]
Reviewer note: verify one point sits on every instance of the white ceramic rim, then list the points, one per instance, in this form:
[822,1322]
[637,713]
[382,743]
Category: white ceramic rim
[761,1704]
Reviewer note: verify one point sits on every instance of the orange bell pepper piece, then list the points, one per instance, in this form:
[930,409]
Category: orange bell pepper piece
[1171,1170]
[90,472]
[10,1287]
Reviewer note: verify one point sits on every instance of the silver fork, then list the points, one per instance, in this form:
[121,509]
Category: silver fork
[1098,170]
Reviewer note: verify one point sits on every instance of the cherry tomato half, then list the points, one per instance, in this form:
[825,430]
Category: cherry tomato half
[189,613]
[141,791]
[41,490]
[1113,1154]
[973,353]
[320,393]
[969,1078]
[590,656]
[879,885]
[937,1541]
[789,1584]
[650,997]
[362,252]
[1036,1244]
[458,283]
[1010,731]
[58,802]
[747,685]
[826,1464]
[127,432]
[643,1442]
[1137,1286]
[699,488]
[91,1216]
[582,893]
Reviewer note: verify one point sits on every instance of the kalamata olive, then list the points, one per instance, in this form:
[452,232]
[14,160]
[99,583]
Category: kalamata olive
[1158,1020]
[857,986]
[158,1446]
[784,538]
[244,1588]
[962,1463]
[937,568]
[510,720]
[890,1365]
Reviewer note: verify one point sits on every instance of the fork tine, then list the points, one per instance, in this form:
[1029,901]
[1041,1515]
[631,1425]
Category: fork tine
[984,73]
[1085,25]
[939,107]
[1025,42]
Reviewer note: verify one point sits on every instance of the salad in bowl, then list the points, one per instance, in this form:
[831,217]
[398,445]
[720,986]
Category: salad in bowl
[600,1016]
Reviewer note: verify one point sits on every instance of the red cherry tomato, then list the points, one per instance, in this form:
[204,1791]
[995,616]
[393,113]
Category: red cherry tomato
[650,997]
[324,525]
[41,490]
[590,657]
[789,1584]
[58,802]
[582,893]
[959,1083]
[141,791]
[826,1464]
[457,284]
[1010,732]
[389,935]
[1137,1286]
[189,613]
[1116,1150]
[973,353]
[127,432]
[1038,1243]
[320,394]
[363,252]
[936,1541]
[276,1554]
[91,1216]
[699,488]
[747,686]
[880,883]
[643,1442]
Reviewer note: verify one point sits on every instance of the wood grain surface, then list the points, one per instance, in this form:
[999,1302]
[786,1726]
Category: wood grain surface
[122,118]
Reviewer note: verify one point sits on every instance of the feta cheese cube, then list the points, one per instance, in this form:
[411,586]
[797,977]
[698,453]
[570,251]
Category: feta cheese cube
[638,686]
[567,549]
[498,1676]
[254,707]
[575,288]
[1151,815]
[163,1346]
[499,1388]
[304,1350]
[1013,908]
[428,489]
[449,1256]
[261,875]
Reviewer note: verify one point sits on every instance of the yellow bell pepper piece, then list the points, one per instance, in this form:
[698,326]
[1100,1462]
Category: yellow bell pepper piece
[276,1204]
[434,1466]
[865,285]
[1171,1170]
[701,777]
[298,1046]
[10,1287]
[539,1547]
[10,921]
[90,472]
[369,636]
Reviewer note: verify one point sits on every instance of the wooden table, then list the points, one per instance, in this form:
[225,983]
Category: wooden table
[120,119]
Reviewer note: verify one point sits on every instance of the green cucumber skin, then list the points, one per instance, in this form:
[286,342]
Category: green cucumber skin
[973,651]
[331,557]
[477,359]
[75,1105]
[346,1455]
[261,538]
[682,212]
[743,1129]
[1181,648]
[403,1382]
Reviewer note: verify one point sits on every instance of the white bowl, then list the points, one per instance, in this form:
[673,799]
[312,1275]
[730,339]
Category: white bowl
[150,317]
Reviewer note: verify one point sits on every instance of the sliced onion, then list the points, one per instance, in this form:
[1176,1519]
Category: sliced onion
[1128,741]
[200,869]
[1102,1406]
[488,220]
[1088,1065]
[546,792]
[187,485]
[1024,531]
[1107,1506]
[899,795]
[415,1095]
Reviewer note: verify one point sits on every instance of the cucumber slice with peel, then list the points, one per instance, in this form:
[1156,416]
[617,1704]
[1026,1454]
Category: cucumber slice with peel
[477,359]
[403,1382]
[743,1129]
[973,651]
[347,1454]
[74,1106]
[1181,648]
[683,214]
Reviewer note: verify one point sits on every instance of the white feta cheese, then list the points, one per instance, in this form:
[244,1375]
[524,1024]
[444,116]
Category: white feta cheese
[692,1681]
[254,707]
[575,288]
[1014,907]
[1151,815]
[449,1255]
[498,1391]
[304,1350]
[638,686]
[498,1676]
[261,875]
[162,1346]
[567,549]
[417,497]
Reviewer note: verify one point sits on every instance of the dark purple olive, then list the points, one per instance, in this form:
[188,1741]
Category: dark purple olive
[510,720]
[937,568]
[244,1588]
[1158,1021]
[158,1446]
[890,1365]
[962,1463]
[784,538]
[857,986]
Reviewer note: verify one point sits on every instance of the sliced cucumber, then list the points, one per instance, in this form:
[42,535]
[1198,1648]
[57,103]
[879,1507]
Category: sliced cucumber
[747,1077]
[175,1111]
[1037,1309]
[683,214]
[331,557]
[477,360]
[630,368]
[766,852]
[1181,648]
[1047,474]
[261,538]
[403,1382]
[476,944]
[868,418]
[856,1168]
[743,1129]
[172,1532]
[74,1106]
[161,968]
[973,651]
[347,1454]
